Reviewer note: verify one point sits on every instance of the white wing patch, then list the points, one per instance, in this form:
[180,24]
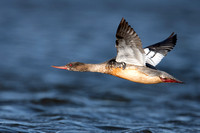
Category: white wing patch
[153,57]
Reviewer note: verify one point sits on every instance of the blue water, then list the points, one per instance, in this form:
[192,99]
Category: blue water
[34,97]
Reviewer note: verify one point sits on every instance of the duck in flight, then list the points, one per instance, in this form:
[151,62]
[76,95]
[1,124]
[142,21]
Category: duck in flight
[132,61]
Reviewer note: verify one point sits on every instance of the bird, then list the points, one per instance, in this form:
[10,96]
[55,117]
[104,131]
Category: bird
[132,62]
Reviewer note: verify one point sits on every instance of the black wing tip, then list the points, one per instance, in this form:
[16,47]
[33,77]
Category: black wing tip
[123,29]
[172,38]
[124,24]
[165,46]
[122,20]
[171,41]
[172,34]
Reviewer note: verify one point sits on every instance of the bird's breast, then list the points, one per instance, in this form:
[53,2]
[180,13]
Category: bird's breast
[135,75]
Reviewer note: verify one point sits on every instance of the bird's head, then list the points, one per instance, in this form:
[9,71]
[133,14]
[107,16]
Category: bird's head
[166,78]
[73,66]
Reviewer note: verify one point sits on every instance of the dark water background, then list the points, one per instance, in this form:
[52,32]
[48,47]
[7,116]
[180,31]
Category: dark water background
[36,34]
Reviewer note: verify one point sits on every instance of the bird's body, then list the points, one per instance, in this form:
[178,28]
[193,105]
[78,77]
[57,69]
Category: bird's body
[135,74]
[138,74]
[132,61]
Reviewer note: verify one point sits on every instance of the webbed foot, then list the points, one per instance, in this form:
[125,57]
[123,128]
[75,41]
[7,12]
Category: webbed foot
[113,64]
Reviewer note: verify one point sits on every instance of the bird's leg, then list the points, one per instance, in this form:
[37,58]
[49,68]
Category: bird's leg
[113,64]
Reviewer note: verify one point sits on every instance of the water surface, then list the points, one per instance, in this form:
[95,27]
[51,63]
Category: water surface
[37,98]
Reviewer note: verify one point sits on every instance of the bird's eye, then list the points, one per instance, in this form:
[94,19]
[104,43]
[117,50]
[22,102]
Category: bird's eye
[70,65]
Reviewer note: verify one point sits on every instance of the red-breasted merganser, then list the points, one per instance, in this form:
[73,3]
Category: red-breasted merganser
[132,61]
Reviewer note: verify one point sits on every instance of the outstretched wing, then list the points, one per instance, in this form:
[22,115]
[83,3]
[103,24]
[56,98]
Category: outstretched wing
[156,52]
[129,46]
